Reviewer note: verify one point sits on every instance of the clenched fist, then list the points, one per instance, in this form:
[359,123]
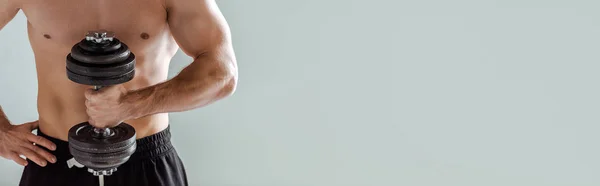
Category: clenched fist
[105,107]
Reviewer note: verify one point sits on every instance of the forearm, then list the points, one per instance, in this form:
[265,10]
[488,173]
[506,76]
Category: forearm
[204,81]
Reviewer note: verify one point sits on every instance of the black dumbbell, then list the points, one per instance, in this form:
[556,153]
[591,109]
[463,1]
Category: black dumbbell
[101,60]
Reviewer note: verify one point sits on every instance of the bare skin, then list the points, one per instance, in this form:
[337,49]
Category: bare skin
[153,30]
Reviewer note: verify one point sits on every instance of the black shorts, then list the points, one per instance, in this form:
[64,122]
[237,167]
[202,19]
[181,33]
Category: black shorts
[155,162]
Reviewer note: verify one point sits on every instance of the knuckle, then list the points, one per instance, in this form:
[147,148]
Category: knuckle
[38,150]
[47,154]
[39,139]
[36,158]
[39,153]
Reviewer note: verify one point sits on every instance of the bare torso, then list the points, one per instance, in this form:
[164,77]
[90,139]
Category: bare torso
[55,26]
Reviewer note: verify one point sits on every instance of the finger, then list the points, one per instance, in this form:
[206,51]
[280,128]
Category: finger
[89,93]
[39,140]
[89,104]
[97,124]
[45,154]
[33,156]
[17,159]
[116,89]
[91,120]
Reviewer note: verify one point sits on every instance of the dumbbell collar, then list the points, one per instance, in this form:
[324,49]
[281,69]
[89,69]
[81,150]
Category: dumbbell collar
[102,172]
[103,133]
[99,36]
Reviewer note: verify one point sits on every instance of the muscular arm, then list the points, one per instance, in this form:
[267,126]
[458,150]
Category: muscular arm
[8,11]
[202,33]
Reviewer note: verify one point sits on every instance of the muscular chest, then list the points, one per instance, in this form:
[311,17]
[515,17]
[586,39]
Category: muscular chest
[65,22]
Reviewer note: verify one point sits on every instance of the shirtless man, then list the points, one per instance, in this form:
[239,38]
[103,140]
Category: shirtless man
[153,30]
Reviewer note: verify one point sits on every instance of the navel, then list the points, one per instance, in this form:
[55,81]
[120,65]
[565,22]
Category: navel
[144,35]
[47,36]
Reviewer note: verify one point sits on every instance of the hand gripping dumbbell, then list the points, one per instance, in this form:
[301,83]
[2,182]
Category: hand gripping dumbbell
[101,60]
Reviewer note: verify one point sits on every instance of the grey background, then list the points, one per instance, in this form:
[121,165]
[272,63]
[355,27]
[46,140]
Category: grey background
[385,93]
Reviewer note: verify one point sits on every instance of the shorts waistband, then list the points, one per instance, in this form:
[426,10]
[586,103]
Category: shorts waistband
[146,147]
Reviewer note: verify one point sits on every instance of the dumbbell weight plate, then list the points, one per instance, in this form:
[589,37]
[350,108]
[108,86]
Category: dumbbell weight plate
[103,157]
[101,70]
[92,161]
[81,137]
[102,160]
[100,81]
[81,55]
[99,48]
[111,149]
[95,165]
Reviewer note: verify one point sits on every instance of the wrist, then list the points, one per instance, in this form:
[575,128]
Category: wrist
[133,105]
[4,124]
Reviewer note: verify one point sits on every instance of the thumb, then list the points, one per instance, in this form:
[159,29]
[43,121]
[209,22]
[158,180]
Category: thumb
[32,125]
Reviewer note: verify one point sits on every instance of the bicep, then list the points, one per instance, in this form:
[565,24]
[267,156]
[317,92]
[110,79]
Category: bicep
[8,10]
[198,26]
